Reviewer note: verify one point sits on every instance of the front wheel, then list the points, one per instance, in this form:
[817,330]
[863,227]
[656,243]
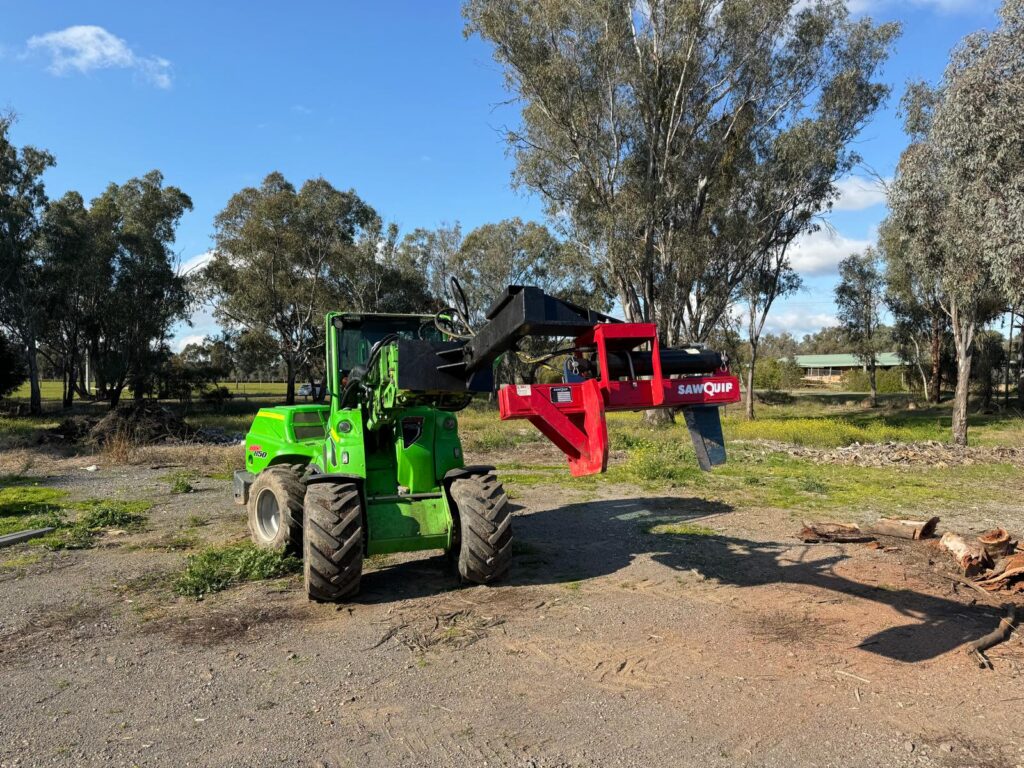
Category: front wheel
[484,540]
[275,508]
[332,546]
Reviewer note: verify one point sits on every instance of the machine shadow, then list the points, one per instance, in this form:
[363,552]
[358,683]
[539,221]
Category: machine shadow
[585,540]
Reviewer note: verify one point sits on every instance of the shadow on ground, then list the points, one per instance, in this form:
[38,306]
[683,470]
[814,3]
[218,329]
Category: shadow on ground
[580,541]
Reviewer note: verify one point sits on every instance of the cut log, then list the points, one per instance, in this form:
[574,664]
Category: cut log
[904,529]
[996,542]
[969,555]
[840,533]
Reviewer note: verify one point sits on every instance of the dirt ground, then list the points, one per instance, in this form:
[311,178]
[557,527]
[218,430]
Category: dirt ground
[608,646]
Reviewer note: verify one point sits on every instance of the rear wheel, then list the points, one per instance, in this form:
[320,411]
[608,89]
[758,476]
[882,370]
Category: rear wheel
[483,546]
[275,508]
[333,542]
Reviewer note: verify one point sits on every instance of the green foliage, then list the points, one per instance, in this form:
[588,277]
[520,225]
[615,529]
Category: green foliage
[774,375]
[674,463]
[858,301]
[888,381]
[13,371]
[284,257]
[217,568]
[24,293]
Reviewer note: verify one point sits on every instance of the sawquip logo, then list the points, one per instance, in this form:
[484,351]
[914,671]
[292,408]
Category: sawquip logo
[706,388]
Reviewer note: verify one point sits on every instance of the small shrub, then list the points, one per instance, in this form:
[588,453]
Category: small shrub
[220,567]
[181,482]
[889,381]
[216,395]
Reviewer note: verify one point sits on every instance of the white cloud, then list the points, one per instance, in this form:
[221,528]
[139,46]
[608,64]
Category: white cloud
[857,193]
[819,253]
[86,48]
[195,263]
[798,323]
[181,342]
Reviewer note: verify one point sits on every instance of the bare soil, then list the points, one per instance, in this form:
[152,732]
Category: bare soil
[607,646]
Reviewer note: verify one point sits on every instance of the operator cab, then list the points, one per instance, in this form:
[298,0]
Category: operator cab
[358,333]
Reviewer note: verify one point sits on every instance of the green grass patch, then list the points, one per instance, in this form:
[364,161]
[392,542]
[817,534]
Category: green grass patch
[219,567]
[19,561]
[25,507]
[682,529]
[833,432]
[95,516]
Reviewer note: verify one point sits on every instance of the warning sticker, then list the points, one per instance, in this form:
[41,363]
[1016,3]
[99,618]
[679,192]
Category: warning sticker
[523,389]
[561,394]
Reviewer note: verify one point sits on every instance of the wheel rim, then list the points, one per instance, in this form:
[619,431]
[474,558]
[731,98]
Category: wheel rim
[268,515]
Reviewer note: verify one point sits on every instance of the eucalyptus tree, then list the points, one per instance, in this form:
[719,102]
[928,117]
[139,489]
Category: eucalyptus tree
[678,141]
[959,188]
[132,232]
[79,279]
[22,290]
[859,295]
[773,277]
[283,257]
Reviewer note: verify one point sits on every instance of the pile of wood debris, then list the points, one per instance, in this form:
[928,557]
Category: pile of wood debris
[990,560]
[931,453]
[989,563]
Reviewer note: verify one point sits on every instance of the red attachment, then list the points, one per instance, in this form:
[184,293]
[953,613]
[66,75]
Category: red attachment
[571,415]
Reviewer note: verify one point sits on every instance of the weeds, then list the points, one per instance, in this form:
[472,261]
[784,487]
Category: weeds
[217,568]
[108,513]
[181,482]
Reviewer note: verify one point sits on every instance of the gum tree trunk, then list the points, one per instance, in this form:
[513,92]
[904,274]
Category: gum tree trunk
[963,339]
[749,404]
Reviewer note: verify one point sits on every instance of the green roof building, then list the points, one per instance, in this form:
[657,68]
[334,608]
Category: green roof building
[830,368]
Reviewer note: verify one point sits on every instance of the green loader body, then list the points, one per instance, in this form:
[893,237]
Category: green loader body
[394,454]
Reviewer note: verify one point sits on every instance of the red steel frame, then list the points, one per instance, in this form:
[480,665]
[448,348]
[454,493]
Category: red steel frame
[572,415]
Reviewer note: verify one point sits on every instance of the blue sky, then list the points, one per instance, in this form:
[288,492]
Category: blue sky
[386,98]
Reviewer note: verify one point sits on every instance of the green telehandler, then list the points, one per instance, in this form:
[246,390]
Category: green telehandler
[380,469]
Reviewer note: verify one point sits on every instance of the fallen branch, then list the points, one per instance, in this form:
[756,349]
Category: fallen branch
[840,533]
[1005,572]
[998,635]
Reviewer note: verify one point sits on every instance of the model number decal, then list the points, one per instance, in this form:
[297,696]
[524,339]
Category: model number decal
[561,394]
[257,451]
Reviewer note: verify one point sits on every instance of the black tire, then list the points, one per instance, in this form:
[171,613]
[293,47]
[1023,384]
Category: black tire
[275,508]
[333,544]
[484,538]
